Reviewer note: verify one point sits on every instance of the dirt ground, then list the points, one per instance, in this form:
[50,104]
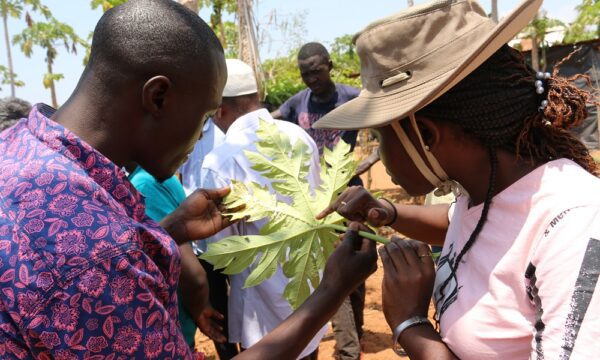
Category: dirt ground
[376,339]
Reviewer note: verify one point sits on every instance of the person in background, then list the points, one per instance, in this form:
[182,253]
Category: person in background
[189,172]
[190,175]
[162,198]
[12,109]
[452,104]
[85,271]
[306,107]
[256,310]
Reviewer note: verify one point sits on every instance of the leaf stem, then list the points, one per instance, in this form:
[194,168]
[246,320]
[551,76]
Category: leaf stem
[368,235]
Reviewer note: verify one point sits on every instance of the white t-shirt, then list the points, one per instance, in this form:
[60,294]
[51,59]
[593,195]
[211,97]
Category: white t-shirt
[254,311]
[528,286]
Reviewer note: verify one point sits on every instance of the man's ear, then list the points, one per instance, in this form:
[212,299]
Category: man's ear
[430,131]
[330,65]
[155,93]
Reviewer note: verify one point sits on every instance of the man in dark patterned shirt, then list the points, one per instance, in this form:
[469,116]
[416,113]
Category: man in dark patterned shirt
[84,273]
[83,270]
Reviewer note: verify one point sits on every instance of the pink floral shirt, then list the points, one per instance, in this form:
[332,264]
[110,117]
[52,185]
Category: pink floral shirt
[83,272]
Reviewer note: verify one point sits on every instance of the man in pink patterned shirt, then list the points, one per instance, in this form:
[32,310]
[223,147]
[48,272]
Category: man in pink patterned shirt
[84,273]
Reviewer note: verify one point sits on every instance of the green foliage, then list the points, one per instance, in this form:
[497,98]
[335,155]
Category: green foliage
[106,4]
[229,6]
[14,8]
[539,26]
[587,24]
[229,33]
[346,64]
[5,76]
[51,78]
[48,35]
[291,237]
[282,79]
[226,31]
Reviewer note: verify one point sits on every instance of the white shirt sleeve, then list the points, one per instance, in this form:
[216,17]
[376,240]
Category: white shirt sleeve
[562,285]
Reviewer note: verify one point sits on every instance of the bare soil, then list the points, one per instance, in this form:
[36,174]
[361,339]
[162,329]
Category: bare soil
[377,336]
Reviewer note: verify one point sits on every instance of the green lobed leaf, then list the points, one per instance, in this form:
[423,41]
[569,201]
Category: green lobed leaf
[291,236]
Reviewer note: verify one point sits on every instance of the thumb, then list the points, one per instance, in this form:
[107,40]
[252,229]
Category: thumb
[377,217]
[216,194]
[352,240]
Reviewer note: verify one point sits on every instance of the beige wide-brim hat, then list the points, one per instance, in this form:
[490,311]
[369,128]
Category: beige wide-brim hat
[411,58]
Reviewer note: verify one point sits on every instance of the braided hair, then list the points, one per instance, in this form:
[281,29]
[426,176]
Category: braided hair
[497,104]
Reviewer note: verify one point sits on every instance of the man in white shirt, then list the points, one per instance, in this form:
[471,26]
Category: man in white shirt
[254,311]
[212,137]
[190,176]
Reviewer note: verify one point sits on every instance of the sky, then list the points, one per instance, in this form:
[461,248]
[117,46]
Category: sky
[320,20]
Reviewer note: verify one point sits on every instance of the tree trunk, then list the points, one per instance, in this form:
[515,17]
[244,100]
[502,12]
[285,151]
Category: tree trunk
[190,4]
[11,73]
[52,89]
[495,10]
[247,45]
[535,61]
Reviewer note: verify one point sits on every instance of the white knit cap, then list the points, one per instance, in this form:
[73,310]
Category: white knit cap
[240,79]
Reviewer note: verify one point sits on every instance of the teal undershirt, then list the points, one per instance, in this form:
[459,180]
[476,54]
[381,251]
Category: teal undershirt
[161,199]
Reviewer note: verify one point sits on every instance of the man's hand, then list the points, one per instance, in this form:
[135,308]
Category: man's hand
[198,216]
[209,323]
[407,280]
[357,204]
[349,265]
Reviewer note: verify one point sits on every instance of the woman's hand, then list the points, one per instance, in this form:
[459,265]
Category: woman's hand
[408,280]
[198,216]
[357,204]
[352,261]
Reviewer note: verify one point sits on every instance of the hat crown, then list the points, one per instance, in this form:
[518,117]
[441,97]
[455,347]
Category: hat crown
[413,57]
[413,46]
[240,79]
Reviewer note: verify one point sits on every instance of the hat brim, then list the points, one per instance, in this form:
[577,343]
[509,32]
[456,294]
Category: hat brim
[367,111]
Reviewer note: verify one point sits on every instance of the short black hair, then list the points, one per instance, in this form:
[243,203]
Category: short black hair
[11,110]
[311,49]
[142,36]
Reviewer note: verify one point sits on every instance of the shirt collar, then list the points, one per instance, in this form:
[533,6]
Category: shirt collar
[97,166]
[248,121]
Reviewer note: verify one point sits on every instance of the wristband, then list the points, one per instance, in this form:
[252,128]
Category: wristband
[395,211]
[410,322]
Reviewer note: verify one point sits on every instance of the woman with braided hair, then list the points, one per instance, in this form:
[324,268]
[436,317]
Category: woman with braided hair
[456,109]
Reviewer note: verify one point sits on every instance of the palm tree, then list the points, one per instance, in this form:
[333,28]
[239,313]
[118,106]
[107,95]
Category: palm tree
[14,8]
[536,30]
[49,35]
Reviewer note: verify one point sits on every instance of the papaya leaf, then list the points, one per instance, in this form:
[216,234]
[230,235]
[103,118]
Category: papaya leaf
[291,237]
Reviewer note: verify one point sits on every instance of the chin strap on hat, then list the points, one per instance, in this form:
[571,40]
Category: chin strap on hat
[438,176]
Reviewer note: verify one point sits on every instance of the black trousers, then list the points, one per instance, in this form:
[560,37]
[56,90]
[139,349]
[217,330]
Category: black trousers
[218,290]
